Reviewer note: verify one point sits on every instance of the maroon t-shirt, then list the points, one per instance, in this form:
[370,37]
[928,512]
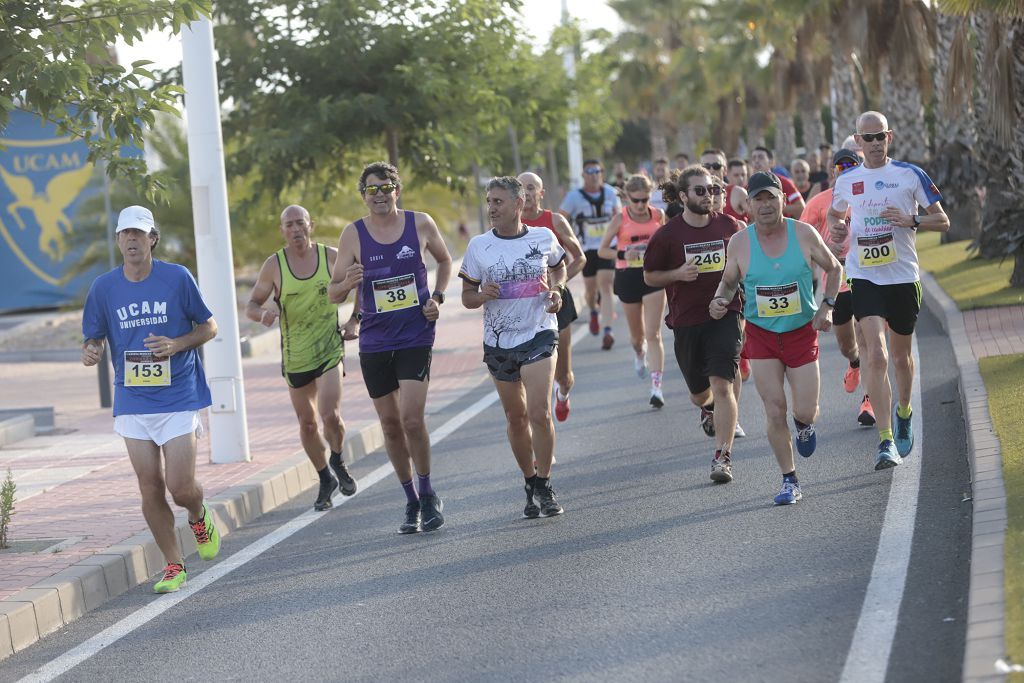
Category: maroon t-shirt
[677,242]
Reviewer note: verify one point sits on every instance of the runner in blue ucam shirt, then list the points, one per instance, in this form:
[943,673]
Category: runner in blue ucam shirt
[154,318]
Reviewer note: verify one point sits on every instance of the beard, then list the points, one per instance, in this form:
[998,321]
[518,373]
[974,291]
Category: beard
[696,208]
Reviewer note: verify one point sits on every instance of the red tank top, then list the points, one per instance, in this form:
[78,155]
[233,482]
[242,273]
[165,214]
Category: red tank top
[729,209]
[545,220]
[633,238]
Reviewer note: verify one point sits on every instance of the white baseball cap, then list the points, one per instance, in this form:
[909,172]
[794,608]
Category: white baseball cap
[138,217]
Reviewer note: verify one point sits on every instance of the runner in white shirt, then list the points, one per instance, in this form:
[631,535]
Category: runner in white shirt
[884,197]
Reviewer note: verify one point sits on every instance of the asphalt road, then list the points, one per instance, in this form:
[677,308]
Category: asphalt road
[652,574]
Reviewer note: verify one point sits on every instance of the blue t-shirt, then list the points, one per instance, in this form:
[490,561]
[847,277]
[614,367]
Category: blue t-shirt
[167,303]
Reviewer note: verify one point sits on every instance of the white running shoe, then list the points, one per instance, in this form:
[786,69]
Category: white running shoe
[657,398]
[640,364]
[739,433]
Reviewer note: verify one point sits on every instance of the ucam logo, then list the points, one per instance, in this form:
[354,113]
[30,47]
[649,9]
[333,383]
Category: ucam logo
[405,252]
[880,185]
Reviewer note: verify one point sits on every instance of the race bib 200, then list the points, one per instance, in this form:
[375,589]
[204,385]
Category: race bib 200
[778,301]
[146,369]
[876,250]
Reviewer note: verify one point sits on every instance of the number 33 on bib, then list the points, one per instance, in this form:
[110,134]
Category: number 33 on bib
[775,302]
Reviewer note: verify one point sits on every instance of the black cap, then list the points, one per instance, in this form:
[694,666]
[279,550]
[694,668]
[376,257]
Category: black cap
[759,182]
[846,154]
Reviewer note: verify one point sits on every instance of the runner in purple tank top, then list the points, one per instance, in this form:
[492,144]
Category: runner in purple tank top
[382,255]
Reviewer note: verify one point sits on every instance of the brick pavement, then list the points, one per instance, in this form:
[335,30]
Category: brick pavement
[995,331]
[78,485]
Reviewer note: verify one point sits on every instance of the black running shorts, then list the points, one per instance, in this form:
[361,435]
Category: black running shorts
[595,263]
[297,380]
[630,287]
[710,349]
[505,364]
[898,304]
[567,313]
[843,312]
[382,370]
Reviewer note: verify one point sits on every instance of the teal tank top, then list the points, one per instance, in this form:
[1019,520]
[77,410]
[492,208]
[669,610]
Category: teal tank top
[779,294]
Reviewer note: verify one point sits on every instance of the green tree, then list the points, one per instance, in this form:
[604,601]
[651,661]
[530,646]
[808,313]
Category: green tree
[55,59]
[315,84]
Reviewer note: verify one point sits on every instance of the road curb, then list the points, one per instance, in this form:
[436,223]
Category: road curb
[985,642]
[52,603]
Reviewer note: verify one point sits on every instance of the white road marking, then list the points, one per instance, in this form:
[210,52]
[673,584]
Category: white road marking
[110,635]
[868,658]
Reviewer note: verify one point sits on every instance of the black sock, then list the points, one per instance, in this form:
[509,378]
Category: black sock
[325,475]
[789,476]
[855,363]
[335,459]
[710,407]
[531,481]
[799,424]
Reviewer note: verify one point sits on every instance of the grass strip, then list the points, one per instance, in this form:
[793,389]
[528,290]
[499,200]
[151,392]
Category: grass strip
[1004,381]
[970,282]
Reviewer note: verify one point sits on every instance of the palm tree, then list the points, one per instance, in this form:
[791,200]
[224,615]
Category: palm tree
[999,29]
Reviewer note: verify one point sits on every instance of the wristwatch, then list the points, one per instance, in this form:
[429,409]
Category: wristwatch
[438,296]
[829,301]
[917,220]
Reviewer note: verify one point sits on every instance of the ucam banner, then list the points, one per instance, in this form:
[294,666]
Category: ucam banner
[43,181]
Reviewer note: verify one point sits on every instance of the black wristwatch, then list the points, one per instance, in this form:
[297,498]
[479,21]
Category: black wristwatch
[438,296]
[917,221]
[829,301]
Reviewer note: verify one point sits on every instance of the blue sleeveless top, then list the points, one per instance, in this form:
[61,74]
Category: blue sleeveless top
[779,294]
[393,292]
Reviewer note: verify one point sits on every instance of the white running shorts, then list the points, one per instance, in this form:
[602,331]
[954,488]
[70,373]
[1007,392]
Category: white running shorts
[159,427]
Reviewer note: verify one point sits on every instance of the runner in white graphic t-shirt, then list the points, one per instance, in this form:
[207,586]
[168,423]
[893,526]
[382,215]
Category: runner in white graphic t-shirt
[884,197]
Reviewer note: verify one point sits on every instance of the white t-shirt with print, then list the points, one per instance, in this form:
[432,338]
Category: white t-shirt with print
[520,267]
[880,252]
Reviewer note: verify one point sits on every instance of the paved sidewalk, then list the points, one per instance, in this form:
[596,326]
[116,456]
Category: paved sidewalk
[975,335]
[77,494]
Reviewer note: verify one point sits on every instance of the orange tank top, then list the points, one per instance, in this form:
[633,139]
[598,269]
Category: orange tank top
[633,238]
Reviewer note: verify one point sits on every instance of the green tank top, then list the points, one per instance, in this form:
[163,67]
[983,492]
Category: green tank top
[778,291]
[310,336]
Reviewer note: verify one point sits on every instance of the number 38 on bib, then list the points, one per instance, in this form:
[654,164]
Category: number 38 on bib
[396,293]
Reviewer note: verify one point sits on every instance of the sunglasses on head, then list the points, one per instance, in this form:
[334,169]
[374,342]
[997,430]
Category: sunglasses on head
[713,166]
[374,189]
[701,190]
[593,170]
[846,165]
[871,137]
[639,200]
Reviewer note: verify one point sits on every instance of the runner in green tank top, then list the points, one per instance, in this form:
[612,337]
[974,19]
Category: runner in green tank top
[312,345]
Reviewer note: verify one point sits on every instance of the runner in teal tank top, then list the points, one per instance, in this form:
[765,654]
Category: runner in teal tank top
[773,259]
[312,345]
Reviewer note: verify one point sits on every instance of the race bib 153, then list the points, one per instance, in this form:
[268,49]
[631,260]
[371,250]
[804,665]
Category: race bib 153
[146,369]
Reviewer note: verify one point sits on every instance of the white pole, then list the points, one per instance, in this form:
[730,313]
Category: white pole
[575,147]
[229,437]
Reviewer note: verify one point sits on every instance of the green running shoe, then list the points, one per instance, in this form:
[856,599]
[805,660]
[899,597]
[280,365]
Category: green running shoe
[207,536]
[174,578]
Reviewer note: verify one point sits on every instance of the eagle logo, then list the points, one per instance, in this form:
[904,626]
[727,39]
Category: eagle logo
[48,206]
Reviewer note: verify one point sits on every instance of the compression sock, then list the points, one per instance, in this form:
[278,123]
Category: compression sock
[424,485]
[324,474]
[789,476]
[904,411]
[410,491]
[335,460]
[656,379]
[885,434]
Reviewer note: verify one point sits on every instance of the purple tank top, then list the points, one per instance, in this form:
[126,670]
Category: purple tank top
[393,292]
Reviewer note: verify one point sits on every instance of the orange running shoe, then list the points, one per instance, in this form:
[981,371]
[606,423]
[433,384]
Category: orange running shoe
[851,380]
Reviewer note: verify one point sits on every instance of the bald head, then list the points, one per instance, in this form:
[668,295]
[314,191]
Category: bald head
[294,211]
[872,122]
[528,177]
[533,193]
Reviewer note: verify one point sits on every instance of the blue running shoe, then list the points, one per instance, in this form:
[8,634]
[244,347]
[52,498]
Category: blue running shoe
[887,456]
[903,430]
[806,441]
[789,494]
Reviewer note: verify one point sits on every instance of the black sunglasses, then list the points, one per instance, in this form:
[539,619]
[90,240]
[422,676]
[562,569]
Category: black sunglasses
[871,137]
[374,189]
[593,170]
[639,200]
[714,166]
[846,165]
[701,190]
